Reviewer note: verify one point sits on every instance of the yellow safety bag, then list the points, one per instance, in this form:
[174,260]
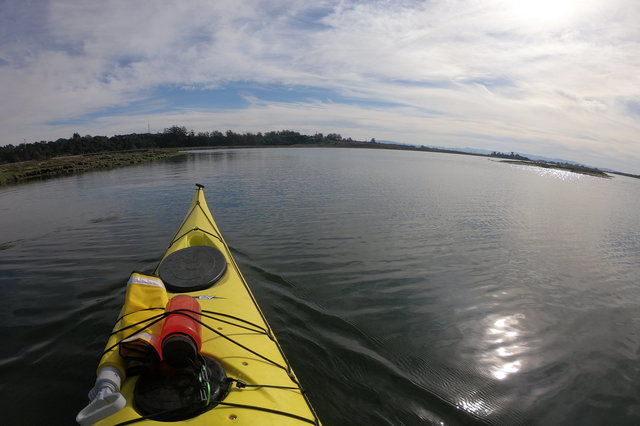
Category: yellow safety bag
[139,324]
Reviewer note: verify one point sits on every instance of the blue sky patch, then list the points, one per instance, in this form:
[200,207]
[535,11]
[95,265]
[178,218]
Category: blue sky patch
[634,108]
[240,94]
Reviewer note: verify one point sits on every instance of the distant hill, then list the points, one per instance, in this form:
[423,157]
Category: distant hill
[440,148]
[478,151]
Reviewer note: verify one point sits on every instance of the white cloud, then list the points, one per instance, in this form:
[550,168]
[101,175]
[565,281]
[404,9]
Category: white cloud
[547,76]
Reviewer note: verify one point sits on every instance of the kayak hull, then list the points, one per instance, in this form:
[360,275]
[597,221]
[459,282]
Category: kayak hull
[235,332]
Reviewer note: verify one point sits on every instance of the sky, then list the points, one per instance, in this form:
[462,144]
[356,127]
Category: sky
[558,78]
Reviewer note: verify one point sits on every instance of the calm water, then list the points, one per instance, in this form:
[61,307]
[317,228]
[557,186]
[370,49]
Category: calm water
[406,288]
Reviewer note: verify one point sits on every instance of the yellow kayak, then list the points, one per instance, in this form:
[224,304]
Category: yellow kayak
[207,359]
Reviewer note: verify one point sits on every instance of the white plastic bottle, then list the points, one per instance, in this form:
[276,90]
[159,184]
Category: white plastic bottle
[105,398]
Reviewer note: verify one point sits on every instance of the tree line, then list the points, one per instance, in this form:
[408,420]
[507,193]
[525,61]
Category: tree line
[512,156]
[172,137]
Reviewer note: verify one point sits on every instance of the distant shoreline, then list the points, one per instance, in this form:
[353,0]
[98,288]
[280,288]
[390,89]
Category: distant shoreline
[574,168]
[12,173]
[25,171]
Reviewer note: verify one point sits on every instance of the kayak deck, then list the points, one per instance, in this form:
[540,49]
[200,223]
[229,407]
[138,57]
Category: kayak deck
[235,333]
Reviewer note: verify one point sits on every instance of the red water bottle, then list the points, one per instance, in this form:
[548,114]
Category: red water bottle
[181,336]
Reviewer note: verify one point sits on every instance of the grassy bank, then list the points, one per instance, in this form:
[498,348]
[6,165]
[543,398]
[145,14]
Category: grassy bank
[63,166]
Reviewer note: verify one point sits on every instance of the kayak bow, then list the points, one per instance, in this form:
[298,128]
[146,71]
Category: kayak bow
[222,352]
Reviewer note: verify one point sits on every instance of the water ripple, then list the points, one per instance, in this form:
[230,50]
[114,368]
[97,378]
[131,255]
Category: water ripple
[405,288]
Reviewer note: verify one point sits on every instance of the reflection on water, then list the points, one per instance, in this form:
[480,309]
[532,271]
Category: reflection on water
[503,334]
[475,405]
[552,173]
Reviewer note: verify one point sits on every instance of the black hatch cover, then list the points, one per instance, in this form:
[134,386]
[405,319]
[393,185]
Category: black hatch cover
[193,268]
